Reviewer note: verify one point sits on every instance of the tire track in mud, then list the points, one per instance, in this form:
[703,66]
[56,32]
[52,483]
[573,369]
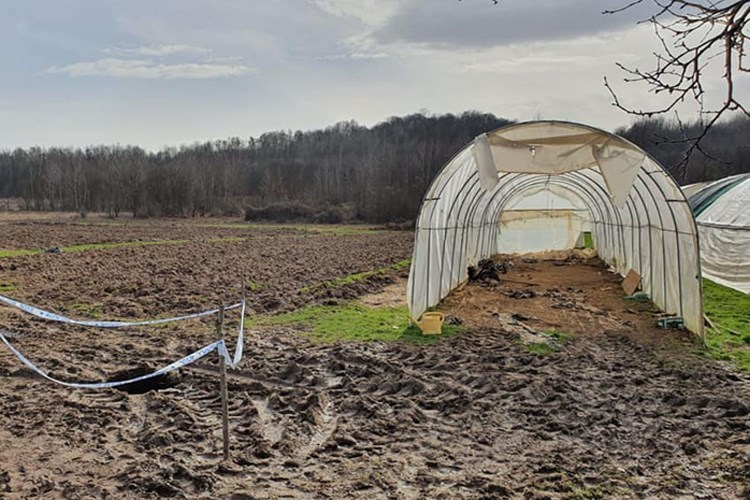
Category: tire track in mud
[324,424]
[178,445]
[470,416]
[270,429]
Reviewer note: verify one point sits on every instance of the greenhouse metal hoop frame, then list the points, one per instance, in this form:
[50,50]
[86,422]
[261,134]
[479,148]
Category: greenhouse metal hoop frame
[594,195]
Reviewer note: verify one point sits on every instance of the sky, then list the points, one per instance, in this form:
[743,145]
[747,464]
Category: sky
[158,73]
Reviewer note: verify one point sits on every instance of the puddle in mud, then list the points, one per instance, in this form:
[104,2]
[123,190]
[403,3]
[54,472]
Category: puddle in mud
[157,383]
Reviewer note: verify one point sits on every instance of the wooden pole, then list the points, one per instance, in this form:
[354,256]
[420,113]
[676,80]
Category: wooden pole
[224,399]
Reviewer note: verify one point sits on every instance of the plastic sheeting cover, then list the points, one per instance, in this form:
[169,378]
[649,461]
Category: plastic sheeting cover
[724,228]
[544,218]
[555,148]
[652,231]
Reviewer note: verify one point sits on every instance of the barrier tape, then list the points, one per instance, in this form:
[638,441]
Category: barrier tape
[50,316]
[234,362]
[190,358]
[219,346]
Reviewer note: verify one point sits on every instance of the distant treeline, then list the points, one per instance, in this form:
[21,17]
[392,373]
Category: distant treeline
[342,173]
[725,149]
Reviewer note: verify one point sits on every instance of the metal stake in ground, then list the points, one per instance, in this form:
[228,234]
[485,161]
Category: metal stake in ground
[243,287]
[223,373]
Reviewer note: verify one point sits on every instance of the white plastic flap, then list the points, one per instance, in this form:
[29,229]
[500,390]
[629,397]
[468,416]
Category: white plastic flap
[485,162]
[619,166]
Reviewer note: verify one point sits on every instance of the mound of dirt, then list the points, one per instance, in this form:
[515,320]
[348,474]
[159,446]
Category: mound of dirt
[488,270]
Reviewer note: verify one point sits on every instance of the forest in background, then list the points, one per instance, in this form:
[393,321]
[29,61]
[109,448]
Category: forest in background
[346,172]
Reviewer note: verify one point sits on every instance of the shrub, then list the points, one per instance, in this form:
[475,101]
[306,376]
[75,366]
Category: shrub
[336,214]
[285,211]
[280,211]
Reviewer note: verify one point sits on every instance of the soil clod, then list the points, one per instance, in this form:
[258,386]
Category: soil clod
[487,271]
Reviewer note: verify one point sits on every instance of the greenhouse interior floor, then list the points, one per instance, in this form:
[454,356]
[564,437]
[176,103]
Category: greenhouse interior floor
[570,293]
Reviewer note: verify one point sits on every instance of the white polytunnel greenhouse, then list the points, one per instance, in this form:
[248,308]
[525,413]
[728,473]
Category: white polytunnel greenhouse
[722,213]
[547,185]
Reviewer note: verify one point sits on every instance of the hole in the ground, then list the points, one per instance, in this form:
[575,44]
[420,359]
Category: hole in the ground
[157,383]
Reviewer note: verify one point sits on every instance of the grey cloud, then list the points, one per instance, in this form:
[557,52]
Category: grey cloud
[473,24]
[350,59]
[157,50]
[353,55]
[265,30]
[144,69]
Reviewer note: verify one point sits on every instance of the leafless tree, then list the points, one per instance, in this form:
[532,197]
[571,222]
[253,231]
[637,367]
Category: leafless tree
[338,173]
[342,172]
[699,41]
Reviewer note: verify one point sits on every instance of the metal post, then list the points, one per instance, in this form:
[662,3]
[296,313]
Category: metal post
[224,399]
[244,287]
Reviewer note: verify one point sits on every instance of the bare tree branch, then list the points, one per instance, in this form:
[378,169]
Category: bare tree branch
[691,35]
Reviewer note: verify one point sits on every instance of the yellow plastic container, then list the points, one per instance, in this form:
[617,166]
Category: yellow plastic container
[431,323]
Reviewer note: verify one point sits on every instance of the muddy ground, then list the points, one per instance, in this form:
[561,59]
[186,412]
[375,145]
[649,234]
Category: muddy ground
[283,267]
[42,230]
[616,409]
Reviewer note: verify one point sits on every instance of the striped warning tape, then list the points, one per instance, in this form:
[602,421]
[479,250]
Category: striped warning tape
[219,346]
[50,316]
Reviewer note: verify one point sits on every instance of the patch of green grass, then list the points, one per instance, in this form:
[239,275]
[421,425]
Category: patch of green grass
[358,277]
[338,229]
[91,246]
[729,310]
[588,493]
[85,247]
[588,239]
[540,348]
[98,223]
[7,287]
[253,286]
[225,225]
[402,264]
[580,491]
[17,253]
[88,310]
[557,339]
[560,337]
[354,322]
[334,229]
[345,230]
[227,239]
[259,226]
[319,229]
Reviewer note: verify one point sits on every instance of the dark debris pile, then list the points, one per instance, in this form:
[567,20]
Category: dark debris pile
[487,271]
